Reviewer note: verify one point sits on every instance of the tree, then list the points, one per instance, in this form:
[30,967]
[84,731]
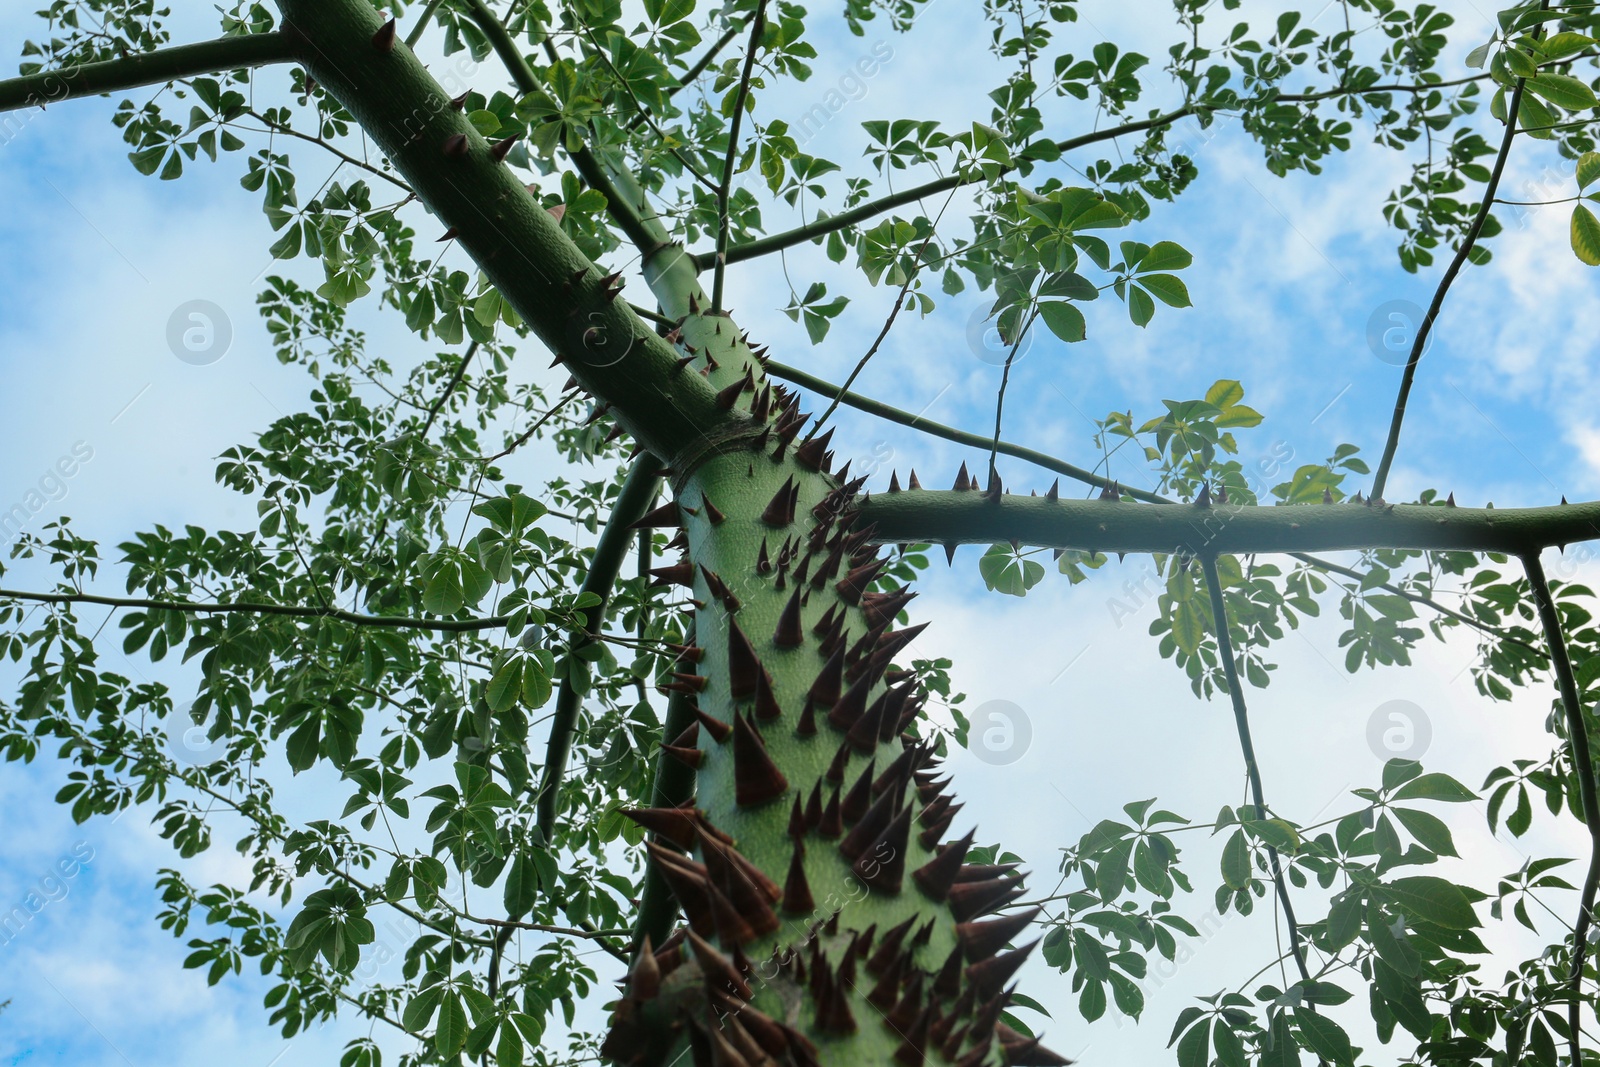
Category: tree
[809,896]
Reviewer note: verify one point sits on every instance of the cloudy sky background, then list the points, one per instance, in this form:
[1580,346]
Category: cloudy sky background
[1287,275]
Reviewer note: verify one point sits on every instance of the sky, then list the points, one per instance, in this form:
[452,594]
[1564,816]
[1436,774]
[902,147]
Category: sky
[1289,276]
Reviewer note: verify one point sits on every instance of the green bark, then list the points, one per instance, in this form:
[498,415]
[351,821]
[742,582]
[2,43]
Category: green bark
[152,68]
[970,517]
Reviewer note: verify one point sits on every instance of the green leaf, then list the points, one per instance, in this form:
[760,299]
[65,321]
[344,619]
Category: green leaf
[1433,900]
[1140,307]
[1166,256]
[451,1032]
[1436,787]
[1064,320]
[1324,1037]
[1168,287]
[522,886]
[1092,1001]
[1563,90]
[1428,829]
[1195,1045]
[1588,169]
[1586,235]
[1236,865]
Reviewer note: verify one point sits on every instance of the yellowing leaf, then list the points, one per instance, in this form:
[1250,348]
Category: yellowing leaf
[1586,235]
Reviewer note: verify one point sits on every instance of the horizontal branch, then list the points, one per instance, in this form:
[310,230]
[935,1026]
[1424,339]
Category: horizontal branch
[823,226]
[391,622]
[893,414]
[972,517]
[149,68]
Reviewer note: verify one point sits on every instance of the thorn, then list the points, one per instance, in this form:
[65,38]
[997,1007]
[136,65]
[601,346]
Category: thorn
[459,102]
[664,516]
[968,900]
[832,824]
[1204,499]
[500,149]
[990,976]
[780,511]
[995,488]
[456,145]
[961,479]
[950,554]
[674,824]
[766,708]
[677,574]
[1450,501]
[790,632]
[1327,496]
[644,978]
[894,481]
[450,235]
[883,866]
[384,39]
[938,876]
[756,778]
[981,940]
[713,514]
[859,798]
[727,396]
[810,453]
[719,730]
[836,767]
[744,668]
[851,706]
[797,899]
[690,757]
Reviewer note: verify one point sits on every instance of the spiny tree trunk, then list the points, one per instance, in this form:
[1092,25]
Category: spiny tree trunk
[830,917]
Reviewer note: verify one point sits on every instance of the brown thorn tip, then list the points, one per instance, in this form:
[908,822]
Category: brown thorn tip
[790,633]
[797,899]
[938,875]
[500,149]
[384,39]
[456,145]
[756,778]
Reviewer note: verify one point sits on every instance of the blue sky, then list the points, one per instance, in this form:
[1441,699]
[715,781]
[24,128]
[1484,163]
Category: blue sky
[1288,274]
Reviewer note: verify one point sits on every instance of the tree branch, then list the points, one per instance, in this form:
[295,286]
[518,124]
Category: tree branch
[1117,526]
[644,237]
[726,188]
[148,68]
[1241,720]
[1583,767]
[638,492]
[823,226]
[1419,343]
[1062,467]
[557,290]
[390,622]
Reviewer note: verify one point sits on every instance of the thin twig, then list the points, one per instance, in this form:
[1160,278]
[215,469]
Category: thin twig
[393,622]
[1419,343]
[757,24]
[450,387]
[1241,719]
[1583,768]
[894,313]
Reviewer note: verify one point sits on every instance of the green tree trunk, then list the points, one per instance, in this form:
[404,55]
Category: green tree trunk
[830,918]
